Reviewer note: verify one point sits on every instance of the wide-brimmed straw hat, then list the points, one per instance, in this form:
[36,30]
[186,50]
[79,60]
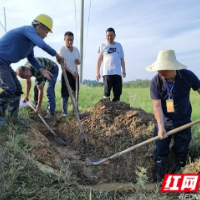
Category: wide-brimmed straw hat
[166,60]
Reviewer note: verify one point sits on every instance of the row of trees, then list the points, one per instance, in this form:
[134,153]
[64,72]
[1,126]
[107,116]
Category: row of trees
[138,83]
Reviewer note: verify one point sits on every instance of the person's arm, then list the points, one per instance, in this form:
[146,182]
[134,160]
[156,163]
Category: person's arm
[40,97]
[32,35]
[77,62]
[123,68]
[47,74]
[99,61]
[198,90]
[158,113]
[77,57]
[28,87]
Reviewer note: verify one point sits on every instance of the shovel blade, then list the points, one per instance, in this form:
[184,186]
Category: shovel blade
[60,141]
[100,161]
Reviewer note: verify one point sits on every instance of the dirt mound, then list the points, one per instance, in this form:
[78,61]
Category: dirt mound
[109,128]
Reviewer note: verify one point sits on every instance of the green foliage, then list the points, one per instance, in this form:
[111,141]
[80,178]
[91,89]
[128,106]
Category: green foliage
[138,83]
[141,176]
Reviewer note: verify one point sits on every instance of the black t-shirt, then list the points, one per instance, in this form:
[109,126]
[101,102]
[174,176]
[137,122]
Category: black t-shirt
[184,81]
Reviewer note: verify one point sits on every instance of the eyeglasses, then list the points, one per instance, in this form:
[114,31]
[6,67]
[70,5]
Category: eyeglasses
[44,27]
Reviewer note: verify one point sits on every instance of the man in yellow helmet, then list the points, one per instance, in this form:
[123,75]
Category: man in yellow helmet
[15,45]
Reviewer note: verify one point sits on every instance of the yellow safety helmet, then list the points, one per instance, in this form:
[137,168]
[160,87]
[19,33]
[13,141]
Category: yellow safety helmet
[45,20]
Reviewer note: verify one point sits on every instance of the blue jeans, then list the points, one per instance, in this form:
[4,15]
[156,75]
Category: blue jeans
[9,83]
[180,146]
[51,105]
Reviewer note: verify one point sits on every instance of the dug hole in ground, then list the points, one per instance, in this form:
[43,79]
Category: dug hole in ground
[109,127]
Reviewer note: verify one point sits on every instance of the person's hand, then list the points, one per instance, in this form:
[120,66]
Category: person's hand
[161,133]
[45,73]
[77,62]
[123,74]
[74,74]
[59,59]
[98,76]
[25,99]
[38,110]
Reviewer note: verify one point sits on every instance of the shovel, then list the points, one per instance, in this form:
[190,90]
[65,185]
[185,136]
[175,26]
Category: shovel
[58,139]
[74,107]
[106,160]
[76,92]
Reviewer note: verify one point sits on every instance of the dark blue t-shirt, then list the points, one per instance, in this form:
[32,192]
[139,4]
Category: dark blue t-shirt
[184,81]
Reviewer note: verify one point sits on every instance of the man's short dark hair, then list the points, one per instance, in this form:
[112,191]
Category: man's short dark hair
[20,69]
[68,33]
[110,30]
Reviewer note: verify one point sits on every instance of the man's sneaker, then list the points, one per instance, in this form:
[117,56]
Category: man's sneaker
[49,116]
[65,115]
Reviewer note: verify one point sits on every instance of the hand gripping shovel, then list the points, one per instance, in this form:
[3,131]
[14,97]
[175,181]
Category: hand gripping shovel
[106,160]
[74,107]
[58,139]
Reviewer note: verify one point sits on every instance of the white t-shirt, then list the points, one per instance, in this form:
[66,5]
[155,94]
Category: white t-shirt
[112,54]
[70,57]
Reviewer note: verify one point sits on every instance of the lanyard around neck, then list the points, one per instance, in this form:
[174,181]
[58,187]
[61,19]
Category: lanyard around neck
[169,90]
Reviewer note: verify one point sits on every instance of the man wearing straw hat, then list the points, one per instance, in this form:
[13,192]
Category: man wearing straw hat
[170,92]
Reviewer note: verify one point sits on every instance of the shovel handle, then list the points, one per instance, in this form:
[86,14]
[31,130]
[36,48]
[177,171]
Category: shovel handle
[76,92]
[101,161]
[155,138]
[32,106]
[73,101]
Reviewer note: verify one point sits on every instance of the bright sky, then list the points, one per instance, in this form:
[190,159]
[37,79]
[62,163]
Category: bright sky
[142,27]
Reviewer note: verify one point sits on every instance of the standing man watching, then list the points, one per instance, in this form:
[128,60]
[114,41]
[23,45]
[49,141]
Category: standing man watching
[112,56]
[14,46]
[72,57]
[170,93]
[27,71]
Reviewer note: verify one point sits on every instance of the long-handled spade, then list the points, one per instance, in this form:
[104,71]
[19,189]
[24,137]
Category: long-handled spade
[58,139]
[74,107]
[106,160]
[76,92]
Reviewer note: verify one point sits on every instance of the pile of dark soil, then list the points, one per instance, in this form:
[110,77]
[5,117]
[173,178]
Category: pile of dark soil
[109,127]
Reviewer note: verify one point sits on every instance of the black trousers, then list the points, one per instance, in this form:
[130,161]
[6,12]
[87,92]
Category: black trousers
[180,146]
[72,83]
[113,82]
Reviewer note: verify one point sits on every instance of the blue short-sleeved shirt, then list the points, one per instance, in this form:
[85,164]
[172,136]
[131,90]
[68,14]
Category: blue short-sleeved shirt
[184,81]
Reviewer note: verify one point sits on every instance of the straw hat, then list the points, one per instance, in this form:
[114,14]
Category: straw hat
[166,60]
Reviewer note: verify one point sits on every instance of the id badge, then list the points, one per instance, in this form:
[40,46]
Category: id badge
[170,105]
